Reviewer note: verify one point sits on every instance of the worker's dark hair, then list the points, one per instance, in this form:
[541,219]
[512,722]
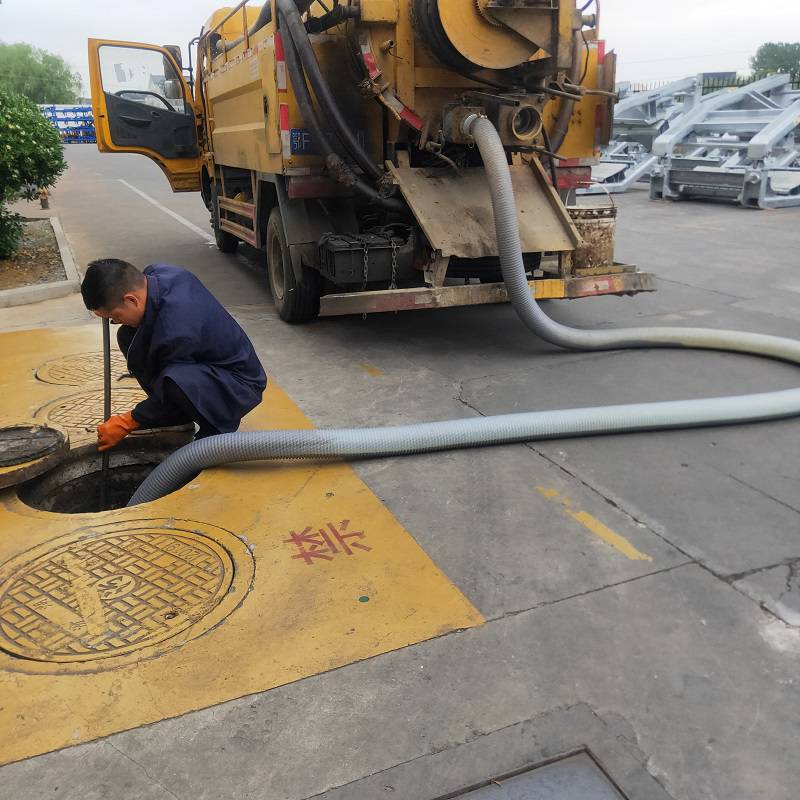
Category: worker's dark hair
[107,281]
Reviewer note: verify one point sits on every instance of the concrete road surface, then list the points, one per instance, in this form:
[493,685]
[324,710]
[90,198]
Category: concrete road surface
[640,592]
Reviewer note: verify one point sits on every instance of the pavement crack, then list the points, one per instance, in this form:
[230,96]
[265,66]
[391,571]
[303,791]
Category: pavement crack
[460,398]
[476,735]
[618,505]
[143,768]
[614,584]
[728,579]
[613,502]
[792,563]
[762,492]
[792,574]
[735,298]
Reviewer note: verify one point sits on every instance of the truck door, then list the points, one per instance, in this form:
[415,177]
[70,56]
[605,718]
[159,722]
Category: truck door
[141,104]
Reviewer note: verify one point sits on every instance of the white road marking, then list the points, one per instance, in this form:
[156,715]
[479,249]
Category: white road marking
[177,217]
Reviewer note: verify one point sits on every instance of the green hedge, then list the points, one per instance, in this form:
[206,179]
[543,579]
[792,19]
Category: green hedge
[31,158]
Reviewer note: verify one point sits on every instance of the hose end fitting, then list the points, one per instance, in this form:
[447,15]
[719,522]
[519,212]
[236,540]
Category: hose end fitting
[467,123]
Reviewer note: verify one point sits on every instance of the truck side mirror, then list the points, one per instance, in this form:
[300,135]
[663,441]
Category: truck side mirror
[175,51]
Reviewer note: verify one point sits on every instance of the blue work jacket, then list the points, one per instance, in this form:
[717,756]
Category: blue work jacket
[187,335]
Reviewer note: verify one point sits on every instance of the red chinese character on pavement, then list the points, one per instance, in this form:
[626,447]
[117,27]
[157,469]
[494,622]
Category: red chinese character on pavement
[325,542]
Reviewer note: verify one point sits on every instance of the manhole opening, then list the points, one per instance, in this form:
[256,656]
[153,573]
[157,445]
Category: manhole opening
[75,485]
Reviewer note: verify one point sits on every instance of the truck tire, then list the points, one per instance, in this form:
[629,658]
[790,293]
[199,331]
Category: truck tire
[226,241]
[295,301]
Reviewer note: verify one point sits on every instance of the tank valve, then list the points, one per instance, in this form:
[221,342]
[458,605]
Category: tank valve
[524,122]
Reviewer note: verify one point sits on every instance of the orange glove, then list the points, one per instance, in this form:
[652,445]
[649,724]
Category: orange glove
[111,432]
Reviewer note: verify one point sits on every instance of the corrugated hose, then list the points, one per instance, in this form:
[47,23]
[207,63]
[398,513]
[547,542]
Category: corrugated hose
[356,443]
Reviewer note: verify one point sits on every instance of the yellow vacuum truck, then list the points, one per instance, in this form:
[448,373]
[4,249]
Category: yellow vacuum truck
[329,135]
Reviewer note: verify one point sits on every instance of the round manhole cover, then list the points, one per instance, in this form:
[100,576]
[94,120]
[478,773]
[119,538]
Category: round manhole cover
[22,443]
[80,369]
[83,412]
[120,589]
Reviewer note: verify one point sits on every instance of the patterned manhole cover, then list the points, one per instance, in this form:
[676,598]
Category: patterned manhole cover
[80,369]
[22,443]
[83,412]
[120,588]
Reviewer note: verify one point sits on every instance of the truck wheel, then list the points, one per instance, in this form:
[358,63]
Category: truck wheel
[226,241]
[295,302]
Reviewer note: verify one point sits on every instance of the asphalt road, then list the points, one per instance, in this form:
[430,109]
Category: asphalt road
[680,635]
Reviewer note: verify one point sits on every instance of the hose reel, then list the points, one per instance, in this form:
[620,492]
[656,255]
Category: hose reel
[487,34]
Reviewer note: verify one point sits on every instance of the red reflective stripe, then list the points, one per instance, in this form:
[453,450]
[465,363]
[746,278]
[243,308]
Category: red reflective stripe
[407,115]
[388,97]
[369,62]
[573,177]
[283,116]
[601,51]
[280,64]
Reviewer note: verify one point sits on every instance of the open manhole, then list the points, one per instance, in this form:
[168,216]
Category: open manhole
[577,777]
[74,486]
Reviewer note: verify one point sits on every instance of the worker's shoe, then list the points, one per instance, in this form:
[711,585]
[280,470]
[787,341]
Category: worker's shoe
[111,432]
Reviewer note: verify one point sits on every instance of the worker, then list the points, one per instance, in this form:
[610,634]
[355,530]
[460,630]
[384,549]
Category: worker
[188,353]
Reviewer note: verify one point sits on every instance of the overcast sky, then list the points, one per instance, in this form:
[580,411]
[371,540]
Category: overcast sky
[655,40]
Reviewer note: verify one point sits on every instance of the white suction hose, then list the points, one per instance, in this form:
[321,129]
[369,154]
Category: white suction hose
[352,443]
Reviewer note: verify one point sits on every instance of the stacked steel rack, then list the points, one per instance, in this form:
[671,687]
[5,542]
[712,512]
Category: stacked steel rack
[74,123]
[697,139]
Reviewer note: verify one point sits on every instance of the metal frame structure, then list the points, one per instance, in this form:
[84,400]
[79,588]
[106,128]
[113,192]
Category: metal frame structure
[75,123]
[639,119]
[740,144]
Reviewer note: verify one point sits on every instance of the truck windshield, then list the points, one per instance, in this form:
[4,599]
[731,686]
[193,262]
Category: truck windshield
[143,76]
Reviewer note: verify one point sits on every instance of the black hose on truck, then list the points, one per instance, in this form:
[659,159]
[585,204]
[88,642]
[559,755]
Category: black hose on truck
[264,18]
[335,164]
[322,91]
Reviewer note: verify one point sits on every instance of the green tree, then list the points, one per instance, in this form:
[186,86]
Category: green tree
[31,155]
[776,57]
[40,76]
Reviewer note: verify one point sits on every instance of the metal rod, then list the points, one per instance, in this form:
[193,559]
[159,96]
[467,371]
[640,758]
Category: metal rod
[106,411]
[559,93]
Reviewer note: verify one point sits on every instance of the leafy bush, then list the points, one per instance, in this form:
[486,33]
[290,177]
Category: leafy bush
[31,157]
[10,231]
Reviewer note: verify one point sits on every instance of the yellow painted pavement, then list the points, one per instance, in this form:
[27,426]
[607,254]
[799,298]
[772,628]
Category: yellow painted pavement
[594,526]
[251,576]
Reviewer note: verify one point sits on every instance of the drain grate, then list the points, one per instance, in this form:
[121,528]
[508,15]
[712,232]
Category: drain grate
[80,369]
[574,778]
[119,589]
[81,413]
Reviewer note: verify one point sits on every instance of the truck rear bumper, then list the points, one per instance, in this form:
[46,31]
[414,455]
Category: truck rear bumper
[376,302]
